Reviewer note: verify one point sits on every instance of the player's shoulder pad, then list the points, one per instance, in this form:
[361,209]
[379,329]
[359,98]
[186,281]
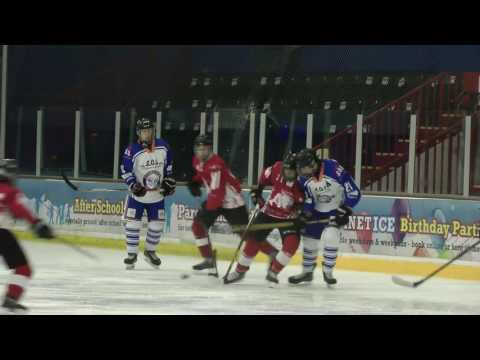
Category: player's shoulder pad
[161,142]
[129,151]
[277,167]
[216,163]
[332,168]
[302,180]
[267,171]
[133,149]
[274,170]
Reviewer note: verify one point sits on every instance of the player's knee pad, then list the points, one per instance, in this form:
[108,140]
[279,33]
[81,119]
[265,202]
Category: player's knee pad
[251,248]
[331,236]
[133,225]
[310,244]
[198,229]
[266,247]
[155,225]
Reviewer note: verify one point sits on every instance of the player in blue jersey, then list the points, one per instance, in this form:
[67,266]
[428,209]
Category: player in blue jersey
[147,170]
[330,193]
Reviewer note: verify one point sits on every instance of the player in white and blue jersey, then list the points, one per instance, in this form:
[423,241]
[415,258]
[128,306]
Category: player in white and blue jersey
[330,193]
[147,169]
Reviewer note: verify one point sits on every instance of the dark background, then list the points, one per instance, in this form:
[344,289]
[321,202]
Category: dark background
[124,75]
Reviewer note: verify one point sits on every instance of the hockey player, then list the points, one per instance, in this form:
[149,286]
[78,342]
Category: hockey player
[147,170]
[224,197]
[12,205]
[282,205]
[331,193]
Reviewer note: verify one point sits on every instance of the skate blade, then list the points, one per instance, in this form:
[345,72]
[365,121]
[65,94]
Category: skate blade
[272,285]
[226,282]
[301,283]
[130,267]
[213,273]
[201,272]
[206,271]
[6,311]
[147,260]
[235,281]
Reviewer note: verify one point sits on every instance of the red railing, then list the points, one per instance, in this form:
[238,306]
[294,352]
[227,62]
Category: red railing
[386,132]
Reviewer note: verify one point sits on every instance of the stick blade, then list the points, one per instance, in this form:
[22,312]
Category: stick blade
[399,281]
[67,181]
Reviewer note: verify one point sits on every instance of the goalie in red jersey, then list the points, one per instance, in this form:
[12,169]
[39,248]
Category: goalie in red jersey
[282,205]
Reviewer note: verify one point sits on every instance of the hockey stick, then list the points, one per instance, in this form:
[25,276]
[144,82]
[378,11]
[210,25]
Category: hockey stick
[402,282]
[268,226]
[77,248]
[242,239]
[76,188]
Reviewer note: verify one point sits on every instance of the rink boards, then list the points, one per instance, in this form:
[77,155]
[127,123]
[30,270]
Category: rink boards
[386,234]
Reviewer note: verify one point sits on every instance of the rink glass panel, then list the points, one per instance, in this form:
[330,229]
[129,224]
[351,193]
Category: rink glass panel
[233,140]
[286,131]
[328,123]
[97,138]
[127,132]
[58,141]
[385,146]
[21,139]
[475,156]
[179,129]
[439,161]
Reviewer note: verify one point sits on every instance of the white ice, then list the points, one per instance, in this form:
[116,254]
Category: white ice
[68,283]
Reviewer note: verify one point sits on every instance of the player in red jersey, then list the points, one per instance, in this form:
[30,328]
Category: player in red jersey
[223,198]
[11,204]
[282,205]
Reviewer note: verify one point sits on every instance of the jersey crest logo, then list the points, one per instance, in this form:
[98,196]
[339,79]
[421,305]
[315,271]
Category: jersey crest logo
[281,200]
[151,180]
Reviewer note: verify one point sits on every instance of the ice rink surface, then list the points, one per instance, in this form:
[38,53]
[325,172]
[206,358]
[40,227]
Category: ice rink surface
[66,282]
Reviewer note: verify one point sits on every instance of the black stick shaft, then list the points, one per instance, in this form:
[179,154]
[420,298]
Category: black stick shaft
[242,239]
[448,263]
[78,249]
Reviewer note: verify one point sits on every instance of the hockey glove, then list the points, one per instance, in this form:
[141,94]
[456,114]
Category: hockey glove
[301,221]
[42,230]
[168,185]
[256,197]
[343,214]
[138,190]
[194,188]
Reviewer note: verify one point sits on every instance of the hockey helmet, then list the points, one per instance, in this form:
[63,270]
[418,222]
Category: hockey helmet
[289,167]
[307,162]
[203,140]
[145,137]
